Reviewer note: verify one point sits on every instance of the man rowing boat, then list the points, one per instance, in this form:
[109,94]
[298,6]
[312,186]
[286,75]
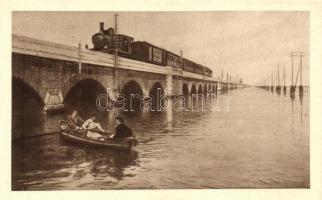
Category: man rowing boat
[121,130]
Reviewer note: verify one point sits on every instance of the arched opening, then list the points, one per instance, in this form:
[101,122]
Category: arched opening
[200,89]
[156,92]
[193,94]
[83,97]
[27,109]
[185,89]
[193,89]
[132,92]
[185,95]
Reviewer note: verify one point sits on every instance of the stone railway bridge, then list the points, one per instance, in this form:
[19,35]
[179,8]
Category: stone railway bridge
[52,71]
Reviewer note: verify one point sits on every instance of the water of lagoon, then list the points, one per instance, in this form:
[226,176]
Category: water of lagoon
[261,141]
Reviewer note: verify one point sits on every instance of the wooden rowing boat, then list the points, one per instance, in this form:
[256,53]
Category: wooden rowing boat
[81,138]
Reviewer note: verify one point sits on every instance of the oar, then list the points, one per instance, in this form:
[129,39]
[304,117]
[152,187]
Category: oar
[35,136]
[52,133]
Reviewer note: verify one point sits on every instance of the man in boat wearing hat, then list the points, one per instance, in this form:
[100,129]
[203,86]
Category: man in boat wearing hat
[121,130]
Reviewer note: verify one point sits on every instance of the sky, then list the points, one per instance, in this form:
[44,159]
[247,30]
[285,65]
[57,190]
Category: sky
[245,44]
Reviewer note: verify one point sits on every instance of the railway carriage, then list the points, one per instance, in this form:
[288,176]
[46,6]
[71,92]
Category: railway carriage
[173,60]
[107,41]
[147,52]
[188,65]
[199,69]
[207,72]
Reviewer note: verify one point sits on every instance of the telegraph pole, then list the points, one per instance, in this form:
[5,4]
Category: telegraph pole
[272,83]
[80,57]
[278,87]
[292,89]
[181,68]
[301,86]
[227,82]
[292,68]
[115,54]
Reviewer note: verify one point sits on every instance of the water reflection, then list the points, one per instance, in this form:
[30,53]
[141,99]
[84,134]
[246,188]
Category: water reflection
[292,125]
[100,164]
[169,114]
[301,102]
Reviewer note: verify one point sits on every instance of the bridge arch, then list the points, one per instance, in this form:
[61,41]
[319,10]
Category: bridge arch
[156,86]
[83,96]
[199,89]
[21,87]
[193,89]
[27,109]
[132,91]
[156,92]
[72,82]
[185,89]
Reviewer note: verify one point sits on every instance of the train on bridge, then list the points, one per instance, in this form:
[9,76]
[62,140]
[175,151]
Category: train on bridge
[107,41]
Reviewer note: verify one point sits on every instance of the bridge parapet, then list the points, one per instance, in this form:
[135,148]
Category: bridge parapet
[35,47]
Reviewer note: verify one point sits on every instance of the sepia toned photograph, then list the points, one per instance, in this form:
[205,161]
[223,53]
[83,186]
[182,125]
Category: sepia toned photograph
[123,100]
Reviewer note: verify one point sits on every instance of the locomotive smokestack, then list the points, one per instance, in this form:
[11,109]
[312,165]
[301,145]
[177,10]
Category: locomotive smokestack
[101,27]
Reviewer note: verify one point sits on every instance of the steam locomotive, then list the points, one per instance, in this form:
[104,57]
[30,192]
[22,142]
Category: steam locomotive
[107,41]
